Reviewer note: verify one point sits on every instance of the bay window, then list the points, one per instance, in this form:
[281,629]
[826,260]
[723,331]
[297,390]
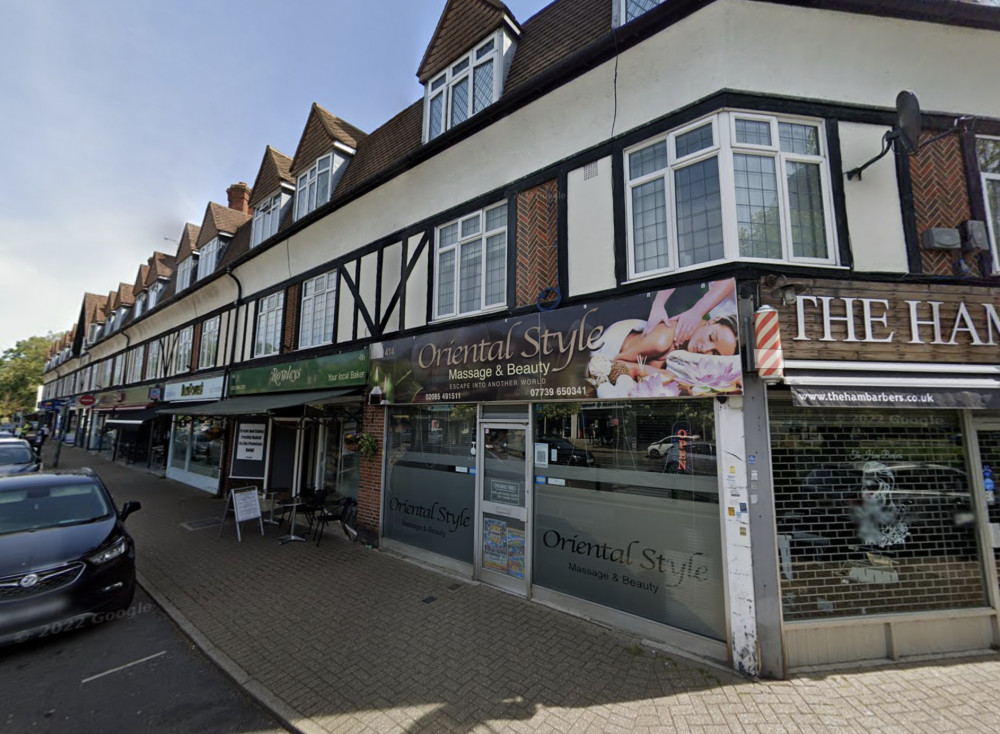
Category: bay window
[470,273]
[267,339]
[319,299]
[731,186]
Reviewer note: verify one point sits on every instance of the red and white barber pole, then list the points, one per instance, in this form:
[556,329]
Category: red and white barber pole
[767,330]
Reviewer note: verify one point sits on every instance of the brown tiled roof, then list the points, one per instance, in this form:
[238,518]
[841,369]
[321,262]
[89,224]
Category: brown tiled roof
[462,24]
[188,243]
[140,279]
[125,296]
[389,143]
[275,168]
[91,301]
[239,245]
[219,219]
[552,35]
[321,131]
[555,33]
[161,265]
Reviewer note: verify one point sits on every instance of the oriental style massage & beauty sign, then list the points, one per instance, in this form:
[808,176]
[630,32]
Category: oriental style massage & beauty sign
[600,351]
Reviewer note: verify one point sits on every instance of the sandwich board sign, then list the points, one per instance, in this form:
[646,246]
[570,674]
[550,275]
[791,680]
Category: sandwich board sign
[244,502]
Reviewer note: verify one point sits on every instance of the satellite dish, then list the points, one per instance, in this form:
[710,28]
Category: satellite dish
[907,132]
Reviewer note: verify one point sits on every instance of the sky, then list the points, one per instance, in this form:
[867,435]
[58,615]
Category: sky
[121,119]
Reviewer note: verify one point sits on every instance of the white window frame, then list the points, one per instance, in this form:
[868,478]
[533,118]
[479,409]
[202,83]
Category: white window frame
[140,304]
[182,357]
[185,269]
[442,86]
[208,257]
[624,16]
[724,147]
[317,310]
[154,361]
[992,217]
[477,219]
[269,323]
[208,348]
[314,187]
[135,369]
[154,294]
[266,219]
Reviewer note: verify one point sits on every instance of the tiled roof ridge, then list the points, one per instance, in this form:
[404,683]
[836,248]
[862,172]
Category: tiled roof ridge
[452,34]
[275,168]
[338,128]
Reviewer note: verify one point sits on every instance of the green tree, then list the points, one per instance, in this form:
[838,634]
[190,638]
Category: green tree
[21,373]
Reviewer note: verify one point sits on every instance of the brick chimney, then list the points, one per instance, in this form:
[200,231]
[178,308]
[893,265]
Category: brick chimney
[239,197]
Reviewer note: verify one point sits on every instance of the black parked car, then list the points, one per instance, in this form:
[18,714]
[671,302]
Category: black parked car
[65,556]
[566,452]
[17,457]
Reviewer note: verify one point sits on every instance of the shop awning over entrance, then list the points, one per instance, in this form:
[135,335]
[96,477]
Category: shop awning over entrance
[263,404]
[132,417]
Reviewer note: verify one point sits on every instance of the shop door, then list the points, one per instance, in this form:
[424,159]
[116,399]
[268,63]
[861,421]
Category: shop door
[504,495]
[986,469]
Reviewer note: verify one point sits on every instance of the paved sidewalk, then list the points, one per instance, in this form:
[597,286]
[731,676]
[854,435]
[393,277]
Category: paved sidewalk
[341,638]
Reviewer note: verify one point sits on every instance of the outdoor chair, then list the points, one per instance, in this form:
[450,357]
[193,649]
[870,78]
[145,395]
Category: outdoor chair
[345,511]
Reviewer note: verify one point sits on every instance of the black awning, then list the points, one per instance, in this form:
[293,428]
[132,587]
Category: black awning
[132,417]
[263,404]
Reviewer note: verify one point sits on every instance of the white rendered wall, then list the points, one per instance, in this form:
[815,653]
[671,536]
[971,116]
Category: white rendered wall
[874,215]
[590,227]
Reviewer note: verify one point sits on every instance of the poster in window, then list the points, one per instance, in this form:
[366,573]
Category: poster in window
[495,545]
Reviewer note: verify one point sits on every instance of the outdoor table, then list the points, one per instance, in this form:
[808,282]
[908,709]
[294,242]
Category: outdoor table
[294,503]
[271,496]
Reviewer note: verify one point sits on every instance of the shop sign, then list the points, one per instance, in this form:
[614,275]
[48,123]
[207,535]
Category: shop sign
[894,397]
[128,398]
[883,322]
[596,351]
[86,400]
[348,369]
[209,388]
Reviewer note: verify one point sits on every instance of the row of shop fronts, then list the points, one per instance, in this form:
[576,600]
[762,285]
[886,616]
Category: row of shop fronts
[841,510]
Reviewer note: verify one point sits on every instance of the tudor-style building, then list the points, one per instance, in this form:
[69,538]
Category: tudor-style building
[644,325]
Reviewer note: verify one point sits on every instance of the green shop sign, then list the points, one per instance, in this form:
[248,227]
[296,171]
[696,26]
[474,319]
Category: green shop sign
[347,369]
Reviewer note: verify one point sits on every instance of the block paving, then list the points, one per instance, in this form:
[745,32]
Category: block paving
[344,638]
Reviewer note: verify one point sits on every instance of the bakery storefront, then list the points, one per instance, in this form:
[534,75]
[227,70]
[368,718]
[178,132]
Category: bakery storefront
[571,457]
[884,434]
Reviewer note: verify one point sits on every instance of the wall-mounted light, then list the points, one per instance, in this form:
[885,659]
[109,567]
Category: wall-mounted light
[780,287]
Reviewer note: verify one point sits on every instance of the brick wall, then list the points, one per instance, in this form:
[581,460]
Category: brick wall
[940,197]
[537,238]
[291,318]
[370,484]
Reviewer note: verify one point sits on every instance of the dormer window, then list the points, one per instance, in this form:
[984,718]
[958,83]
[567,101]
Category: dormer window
[467,86]
[184,272]
[315,185]
[154,294]
[628,10]
[140,304]
[208,256]
[94,332]
[267,218]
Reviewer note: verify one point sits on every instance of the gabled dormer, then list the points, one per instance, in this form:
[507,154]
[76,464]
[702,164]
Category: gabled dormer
[466,62]
[625,11]
[186,258]
[326,146]
[217,230]
[139,291]
[273,191]
[162,267]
